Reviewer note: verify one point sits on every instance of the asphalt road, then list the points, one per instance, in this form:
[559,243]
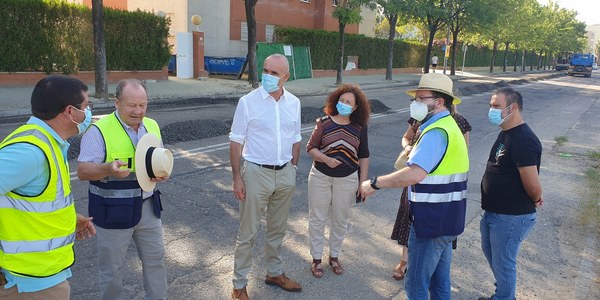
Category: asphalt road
[200,217]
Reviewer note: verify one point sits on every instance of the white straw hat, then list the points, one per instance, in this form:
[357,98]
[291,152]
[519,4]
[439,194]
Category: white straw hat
[151,161]
[436,82]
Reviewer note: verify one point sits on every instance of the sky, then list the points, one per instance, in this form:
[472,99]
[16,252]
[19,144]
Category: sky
[588,11]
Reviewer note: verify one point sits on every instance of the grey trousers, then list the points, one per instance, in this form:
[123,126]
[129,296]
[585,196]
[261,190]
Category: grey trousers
[112,247]
[268,190]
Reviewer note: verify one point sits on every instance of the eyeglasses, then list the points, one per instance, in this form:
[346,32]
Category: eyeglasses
[90,106]
[420,99]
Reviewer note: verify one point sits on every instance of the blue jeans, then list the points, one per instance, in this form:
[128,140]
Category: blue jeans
[428,273]
[501,237]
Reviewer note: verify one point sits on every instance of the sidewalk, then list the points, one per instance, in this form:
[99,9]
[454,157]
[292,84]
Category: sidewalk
[15,101]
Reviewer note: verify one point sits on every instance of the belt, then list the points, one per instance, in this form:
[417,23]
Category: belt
[272,167]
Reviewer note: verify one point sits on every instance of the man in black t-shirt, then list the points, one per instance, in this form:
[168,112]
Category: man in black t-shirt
[510,190]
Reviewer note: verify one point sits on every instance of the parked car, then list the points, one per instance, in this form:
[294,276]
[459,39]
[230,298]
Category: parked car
[595,66]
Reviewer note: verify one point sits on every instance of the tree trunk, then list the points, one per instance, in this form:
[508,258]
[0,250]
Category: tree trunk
[523,62]
[432,31]
[453,52]
[99,50]
[340,66]
[494,50]
[251,57]
[515,62]
[539,64]
[505,54]
[531,60]
[393,19]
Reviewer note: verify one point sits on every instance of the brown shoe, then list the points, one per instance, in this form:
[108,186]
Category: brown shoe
[284,283]
[240,294]
[336,266]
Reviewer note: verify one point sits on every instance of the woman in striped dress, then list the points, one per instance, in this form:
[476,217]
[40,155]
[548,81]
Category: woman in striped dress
[340,150]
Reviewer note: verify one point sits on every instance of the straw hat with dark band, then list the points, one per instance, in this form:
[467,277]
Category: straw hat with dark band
[151,161]
[436,82]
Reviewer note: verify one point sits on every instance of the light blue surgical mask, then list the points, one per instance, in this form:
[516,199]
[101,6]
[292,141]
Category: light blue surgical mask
[270,82]
[83,126]
[343,109]
[495,116]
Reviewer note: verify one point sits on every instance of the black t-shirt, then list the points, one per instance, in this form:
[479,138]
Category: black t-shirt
[502,190]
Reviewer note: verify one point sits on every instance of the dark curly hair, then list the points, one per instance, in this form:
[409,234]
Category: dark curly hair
[363,108]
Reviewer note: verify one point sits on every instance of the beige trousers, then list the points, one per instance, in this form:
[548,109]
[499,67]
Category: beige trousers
[267,191]
[61,291]
[327,195]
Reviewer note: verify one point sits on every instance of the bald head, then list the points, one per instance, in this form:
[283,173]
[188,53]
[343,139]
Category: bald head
[279,61]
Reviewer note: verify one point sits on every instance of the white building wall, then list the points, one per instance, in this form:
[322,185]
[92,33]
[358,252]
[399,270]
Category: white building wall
[174,9]
[215,25]
[368,23]
[215,16]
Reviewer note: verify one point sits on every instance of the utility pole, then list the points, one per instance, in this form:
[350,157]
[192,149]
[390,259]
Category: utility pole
[447,50]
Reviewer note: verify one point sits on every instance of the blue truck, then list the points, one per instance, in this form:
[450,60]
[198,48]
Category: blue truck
[581,64]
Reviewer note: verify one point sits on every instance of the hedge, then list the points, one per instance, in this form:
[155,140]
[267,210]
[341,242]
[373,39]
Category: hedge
[372,52]
[56,36]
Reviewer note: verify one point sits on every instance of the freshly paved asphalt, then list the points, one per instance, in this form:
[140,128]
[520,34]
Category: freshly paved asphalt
[15,101]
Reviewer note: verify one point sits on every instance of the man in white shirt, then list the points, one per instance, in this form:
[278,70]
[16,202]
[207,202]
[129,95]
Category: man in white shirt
[266,133]
[434,62]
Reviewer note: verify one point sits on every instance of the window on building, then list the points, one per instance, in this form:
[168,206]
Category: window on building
[244,31]
[335,2]
[269,33]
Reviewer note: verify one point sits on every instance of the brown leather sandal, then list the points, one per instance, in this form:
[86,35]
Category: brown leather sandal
[400,270]
[337,267]
[316,268]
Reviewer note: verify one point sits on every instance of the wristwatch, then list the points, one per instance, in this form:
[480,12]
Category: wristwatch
[374,183]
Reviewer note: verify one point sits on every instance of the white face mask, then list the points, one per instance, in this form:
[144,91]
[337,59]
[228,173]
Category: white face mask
[418,110]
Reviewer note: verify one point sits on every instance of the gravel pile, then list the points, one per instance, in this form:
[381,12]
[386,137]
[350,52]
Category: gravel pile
[194,130]
[310,114]
[378,106]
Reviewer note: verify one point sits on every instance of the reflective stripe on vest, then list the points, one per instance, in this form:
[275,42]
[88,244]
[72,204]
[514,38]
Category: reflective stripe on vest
[118,188]
[36,246]
[441,188]
[35,207]
[37,232]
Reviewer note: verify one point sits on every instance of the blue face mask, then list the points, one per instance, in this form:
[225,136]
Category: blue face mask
[495,116]
[343,109]
[270,82]
[83,126]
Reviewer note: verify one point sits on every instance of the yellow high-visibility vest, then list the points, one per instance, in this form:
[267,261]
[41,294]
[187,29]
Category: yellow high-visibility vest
[37,232]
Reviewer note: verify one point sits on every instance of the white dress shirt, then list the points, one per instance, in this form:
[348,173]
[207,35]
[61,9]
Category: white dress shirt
[267,128]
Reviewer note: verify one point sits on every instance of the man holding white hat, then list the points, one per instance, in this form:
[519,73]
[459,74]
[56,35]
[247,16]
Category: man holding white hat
[436,172]
[122,157]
